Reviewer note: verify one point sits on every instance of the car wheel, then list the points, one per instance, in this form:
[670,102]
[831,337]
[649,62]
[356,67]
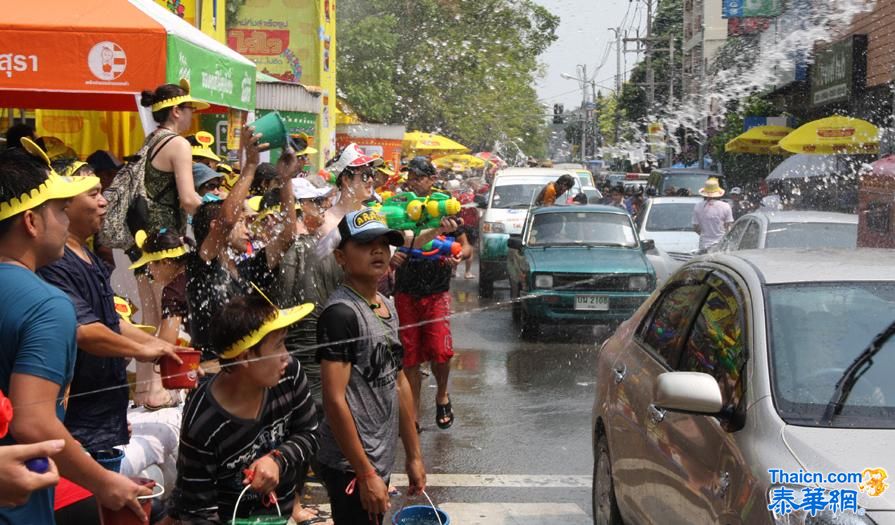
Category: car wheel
[604,505]
[531,328]
[486,287]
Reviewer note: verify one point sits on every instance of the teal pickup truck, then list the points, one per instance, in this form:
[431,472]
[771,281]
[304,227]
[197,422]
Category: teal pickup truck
[577,264]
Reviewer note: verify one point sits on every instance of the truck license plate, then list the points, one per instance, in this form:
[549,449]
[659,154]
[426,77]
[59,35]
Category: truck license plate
[592,302]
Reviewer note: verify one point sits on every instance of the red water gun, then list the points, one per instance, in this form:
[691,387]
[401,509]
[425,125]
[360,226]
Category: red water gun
[38,465]
[441,246]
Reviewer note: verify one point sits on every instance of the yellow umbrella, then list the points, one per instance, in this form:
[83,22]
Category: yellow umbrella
[422,143]
[465,160]
[758,140]
[833,135]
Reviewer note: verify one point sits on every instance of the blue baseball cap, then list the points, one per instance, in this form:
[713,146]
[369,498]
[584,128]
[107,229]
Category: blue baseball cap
[367,225]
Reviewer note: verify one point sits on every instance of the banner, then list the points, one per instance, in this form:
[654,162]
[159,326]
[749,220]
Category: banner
[839,71]
[88,131]
[280,36]
[213,77]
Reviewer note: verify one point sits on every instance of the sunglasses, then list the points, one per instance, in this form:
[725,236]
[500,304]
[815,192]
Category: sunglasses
[320,202]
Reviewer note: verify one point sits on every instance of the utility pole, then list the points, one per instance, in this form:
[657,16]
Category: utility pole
[650,74]
[618,76]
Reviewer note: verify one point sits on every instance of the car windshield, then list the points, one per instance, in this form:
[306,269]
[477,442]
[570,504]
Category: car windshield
[670,217]
[674,182]
[515,195]
[816,332]
[811,235]
[584,228]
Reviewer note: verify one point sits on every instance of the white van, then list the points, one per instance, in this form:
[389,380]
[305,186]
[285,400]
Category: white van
[512,192]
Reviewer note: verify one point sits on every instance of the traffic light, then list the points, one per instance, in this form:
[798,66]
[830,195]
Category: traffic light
[558,110]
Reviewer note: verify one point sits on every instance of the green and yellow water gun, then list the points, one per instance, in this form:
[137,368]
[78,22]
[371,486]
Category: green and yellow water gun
[408,211]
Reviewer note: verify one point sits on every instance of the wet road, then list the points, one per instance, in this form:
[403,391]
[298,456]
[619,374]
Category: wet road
[520,451]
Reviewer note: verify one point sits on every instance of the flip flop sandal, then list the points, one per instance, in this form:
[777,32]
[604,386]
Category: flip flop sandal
[310,521]
[444,412]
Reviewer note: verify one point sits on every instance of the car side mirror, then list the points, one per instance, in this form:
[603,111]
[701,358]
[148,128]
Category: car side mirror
[647,245]
[514,242]
[481,201]
[692,392]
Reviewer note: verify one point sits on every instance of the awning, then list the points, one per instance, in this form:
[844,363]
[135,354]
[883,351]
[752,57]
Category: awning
[96,54]
[276,94]
[833,135]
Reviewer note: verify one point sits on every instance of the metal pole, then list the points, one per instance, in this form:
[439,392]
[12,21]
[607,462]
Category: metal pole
[669,151]
[650,74]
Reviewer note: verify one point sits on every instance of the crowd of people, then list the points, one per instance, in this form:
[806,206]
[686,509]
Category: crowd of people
[312,321]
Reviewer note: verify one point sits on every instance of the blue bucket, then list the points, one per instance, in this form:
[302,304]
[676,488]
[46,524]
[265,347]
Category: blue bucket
[110,459]
[420,515]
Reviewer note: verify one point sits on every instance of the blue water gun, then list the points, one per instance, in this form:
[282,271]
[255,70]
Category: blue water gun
[441,246]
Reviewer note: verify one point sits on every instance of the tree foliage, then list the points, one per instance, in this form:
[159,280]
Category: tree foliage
[462,68]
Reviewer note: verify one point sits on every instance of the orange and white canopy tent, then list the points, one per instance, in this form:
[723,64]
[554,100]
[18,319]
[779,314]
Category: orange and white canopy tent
[100,54]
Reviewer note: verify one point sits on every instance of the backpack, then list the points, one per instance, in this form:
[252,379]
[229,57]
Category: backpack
[128,207]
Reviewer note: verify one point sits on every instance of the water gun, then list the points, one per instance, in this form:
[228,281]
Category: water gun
[38,465]
[407,211]
[437,248]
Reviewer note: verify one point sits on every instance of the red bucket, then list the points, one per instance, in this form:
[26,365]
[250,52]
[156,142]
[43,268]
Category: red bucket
[125,516]
[185,375]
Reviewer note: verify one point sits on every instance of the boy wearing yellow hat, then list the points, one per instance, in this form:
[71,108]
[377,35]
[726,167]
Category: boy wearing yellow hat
[247,430]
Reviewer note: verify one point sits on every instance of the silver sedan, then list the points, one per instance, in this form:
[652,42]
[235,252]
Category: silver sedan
[745,370]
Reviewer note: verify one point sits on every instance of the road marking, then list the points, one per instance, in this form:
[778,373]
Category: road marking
[499,481]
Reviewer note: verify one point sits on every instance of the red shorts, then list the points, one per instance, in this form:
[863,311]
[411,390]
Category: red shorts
[425,328]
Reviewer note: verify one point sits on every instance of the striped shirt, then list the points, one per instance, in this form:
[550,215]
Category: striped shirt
[215,447]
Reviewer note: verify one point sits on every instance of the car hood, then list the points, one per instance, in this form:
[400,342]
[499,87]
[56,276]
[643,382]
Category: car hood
[828,450]
[685,242]
[512,218]
[581,259]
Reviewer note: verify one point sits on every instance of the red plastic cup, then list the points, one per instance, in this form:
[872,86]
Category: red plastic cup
[186,375]
[125,516]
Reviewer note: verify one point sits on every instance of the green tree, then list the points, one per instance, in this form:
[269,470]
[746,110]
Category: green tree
[464,68]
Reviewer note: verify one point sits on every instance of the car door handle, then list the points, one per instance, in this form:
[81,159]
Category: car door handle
[656,415]
[619,372]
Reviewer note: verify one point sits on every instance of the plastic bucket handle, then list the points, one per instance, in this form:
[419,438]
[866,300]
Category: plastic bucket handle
[161,491]
[431,504]
[239,499]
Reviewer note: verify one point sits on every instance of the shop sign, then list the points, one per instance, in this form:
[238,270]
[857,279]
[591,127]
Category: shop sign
[750,8]
[839,71]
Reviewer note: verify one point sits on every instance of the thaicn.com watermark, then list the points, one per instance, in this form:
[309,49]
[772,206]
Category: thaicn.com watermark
[813,498]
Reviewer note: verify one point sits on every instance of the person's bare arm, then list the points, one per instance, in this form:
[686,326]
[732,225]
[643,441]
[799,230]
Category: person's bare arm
[169,330]
[373,492]
[416,469]
[97,339]
[232,208]
[35,401]
[181,155]
[287,168]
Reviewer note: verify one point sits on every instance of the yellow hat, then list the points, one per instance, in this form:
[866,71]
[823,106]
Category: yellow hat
[205,153]
[126,310]
[224,168]
[72,168]
[712,188]
[54,187]
[280,319]
[182,99]
[299,140]
[148,257]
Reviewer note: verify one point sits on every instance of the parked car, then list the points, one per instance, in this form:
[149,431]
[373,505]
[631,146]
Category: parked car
[791,229]
[577,264]
[731,369]
[668,181]
[512,193]
[669,222]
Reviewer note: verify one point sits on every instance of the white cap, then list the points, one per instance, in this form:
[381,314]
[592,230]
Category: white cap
[352,157]
[303,189]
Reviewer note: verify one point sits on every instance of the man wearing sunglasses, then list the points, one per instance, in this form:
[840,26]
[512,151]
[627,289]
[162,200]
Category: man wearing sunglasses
[353,170]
